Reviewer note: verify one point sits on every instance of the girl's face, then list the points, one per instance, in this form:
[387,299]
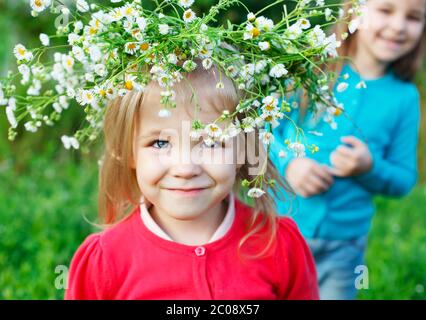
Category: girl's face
[183,179]
[392,28]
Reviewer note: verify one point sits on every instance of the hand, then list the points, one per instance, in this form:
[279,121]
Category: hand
[307,177]
[351,161]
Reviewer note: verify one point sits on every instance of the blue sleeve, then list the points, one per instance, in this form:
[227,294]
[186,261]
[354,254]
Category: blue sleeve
[395,173]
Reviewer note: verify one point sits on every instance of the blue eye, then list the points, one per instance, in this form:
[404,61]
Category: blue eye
[160,144]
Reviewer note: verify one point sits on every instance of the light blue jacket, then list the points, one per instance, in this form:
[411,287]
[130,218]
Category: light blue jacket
[385,115]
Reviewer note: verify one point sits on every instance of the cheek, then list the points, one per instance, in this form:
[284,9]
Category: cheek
[415,32]
[373,22]
[149,169]
[223,174]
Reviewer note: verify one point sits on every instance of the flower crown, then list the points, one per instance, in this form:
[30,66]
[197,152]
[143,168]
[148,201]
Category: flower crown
[109,45]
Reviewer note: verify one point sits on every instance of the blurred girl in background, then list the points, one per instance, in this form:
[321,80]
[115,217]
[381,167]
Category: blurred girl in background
[369,151]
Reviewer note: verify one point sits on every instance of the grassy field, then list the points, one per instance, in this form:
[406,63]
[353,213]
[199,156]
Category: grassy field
[46,196]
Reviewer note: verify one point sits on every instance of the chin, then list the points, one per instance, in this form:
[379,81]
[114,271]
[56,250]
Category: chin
[388,58]
[186,215]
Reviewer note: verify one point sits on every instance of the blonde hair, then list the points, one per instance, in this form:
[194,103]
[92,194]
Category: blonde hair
[405,68]
[119,193]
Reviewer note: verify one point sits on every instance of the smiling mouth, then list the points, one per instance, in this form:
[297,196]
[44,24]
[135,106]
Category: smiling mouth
[192,191]
[393,42]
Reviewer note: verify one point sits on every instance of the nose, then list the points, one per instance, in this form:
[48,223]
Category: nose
[398,23]
[185,171]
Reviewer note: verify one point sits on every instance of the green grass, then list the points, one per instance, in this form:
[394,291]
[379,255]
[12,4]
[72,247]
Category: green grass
[41,223]
[396,255]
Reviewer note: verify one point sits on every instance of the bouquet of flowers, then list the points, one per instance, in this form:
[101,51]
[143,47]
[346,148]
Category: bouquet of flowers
[108,46]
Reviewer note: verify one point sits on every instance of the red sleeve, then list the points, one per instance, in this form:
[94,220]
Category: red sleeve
[88,277]
[296,266]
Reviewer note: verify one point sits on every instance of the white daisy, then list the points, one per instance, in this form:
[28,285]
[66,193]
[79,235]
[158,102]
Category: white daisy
[207,63]
[40,5]
[131,48]
[25,71]
[44,39]
[255,193]
[361,85]
[78,26]
[354,25]
[298,149]
[264,45]
[129,12]
[21,53]
[266,137]
[328,14]
[293,32]
[3,100]
[251,32]
[304,24]
[264,24]
[251,16]
[69,142]
[82,6]
[73,38]
[342,86]
[278,71]
[95,53]
[213,130]
[189,16]
[248,124]
[29,126]
[68,62]
[78,53]
[186,3]
[11,117]
[189,65]
[85,97]
[163,29]
[101,70]
[142,23]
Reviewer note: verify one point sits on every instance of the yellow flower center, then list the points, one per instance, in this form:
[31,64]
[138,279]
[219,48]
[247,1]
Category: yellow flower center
[270,107]
[129,85]
[93,31]
[144,46]
[255,32]
[21,51]
[131,46]
[269,118]
[38,3]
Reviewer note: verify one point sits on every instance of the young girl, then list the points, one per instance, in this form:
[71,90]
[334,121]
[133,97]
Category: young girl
[373,149]
[176,230]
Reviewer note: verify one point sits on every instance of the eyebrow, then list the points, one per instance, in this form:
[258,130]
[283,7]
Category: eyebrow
[151,133]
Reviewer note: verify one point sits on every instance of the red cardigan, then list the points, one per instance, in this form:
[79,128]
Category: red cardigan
[128,261]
